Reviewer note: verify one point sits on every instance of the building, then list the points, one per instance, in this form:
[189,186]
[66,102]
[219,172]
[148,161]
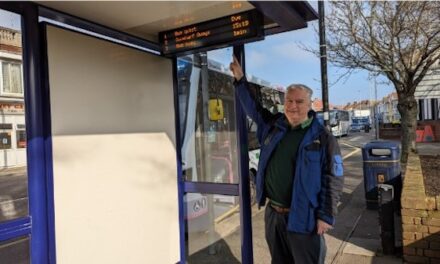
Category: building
[427,95]
[317,105]
[12,120]
[386,109]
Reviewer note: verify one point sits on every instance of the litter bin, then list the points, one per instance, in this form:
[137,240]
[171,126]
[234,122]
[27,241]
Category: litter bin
[381,166]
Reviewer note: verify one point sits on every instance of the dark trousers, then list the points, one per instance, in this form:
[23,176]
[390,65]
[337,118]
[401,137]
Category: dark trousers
[291,248]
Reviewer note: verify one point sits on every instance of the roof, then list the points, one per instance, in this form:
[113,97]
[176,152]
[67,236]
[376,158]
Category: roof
[145,19]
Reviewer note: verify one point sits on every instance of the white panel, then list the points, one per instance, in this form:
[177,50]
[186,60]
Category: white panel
[115,176]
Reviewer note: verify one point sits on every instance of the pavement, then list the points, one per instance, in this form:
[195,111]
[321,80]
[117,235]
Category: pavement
[356,236]
[363,243]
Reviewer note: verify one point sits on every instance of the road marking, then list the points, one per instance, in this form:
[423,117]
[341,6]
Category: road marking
[355,138]
[351,153]
[349,145]
[230,212]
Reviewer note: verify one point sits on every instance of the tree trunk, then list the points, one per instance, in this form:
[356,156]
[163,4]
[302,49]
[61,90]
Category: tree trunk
[407,107]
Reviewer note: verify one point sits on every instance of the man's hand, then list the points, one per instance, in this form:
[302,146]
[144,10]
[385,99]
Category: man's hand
[236,69]
[322,227]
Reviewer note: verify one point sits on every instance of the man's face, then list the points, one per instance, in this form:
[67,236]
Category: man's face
[296,106]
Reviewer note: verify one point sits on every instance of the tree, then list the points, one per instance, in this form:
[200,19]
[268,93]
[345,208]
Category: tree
[397,39]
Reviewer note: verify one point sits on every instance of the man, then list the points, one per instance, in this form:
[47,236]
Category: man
[300,172]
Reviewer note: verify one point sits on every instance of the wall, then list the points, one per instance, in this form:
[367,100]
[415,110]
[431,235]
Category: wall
[114,156]
[420,217]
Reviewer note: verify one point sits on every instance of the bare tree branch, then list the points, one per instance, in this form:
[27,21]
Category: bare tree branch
[397,39]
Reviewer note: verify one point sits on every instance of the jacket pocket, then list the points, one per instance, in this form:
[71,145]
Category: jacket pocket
[313,156]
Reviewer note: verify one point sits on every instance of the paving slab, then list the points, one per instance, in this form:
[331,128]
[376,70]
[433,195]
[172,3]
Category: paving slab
[362,246]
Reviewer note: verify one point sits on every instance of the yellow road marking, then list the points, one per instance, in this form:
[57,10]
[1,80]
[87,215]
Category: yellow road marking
[351,153]
[227,214]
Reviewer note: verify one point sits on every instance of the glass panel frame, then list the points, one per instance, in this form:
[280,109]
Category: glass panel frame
[13,178]
[209,146]
[15,212]
[240,189]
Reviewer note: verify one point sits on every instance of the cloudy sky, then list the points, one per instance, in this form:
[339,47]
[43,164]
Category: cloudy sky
[280,60]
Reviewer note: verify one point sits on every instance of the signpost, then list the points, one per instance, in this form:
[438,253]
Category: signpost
[234,29]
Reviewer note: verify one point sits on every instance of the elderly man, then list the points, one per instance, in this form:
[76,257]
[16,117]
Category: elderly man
[300,173]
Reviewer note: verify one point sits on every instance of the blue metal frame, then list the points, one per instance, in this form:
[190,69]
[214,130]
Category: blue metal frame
[212,188]
[46,115]
[15,228]
[180,179]
[245,203]
[37,158]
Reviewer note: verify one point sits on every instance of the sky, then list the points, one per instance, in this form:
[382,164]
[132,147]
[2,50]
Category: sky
[9,20]
[280,60]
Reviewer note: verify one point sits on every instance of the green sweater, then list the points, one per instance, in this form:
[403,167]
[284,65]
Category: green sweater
[281,167]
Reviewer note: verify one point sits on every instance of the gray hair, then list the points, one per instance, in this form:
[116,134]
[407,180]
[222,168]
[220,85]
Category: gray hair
[300,87]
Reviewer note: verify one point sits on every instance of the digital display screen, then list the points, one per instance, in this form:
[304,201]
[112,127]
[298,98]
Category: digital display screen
[237,28]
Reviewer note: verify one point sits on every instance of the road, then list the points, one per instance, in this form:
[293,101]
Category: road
[13,193]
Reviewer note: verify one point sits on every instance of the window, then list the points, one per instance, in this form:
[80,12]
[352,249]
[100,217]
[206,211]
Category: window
[5,136]
[21,138]
[5,140]
[11,78]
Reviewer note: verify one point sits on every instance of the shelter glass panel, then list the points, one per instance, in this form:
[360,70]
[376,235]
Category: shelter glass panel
[15,251]
[13,175]
[212,228]
[207,117]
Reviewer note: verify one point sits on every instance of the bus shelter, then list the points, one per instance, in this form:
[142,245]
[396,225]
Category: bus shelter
[136,146]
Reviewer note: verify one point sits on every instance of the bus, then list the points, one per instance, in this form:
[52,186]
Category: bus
[222,169]
[339,122]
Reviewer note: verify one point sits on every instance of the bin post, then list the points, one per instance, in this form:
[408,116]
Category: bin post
[386,217]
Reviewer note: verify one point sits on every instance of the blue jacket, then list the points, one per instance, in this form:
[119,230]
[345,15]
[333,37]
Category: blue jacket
[318,178]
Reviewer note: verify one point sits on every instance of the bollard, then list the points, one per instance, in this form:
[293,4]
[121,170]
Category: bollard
[386,217]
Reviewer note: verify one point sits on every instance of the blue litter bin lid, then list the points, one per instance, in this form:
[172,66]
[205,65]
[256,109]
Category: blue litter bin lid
[381,144]
[381,150]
